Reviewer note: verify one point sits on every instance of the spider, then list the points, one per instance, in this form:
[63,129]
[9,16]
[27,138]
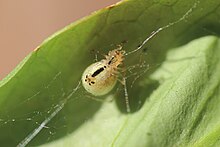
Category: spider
[100,77]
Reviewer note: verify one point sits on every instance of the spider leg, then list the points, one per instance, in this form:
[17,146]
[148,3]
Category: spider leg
[126,96]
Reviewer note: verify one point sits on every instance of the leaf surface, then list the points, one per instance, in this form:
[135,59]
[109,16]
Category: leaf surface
[179,109]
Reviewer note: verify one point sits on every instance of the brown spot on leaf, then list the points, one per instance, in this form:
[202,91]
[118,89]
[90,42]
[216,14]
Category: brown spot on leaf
[111,6]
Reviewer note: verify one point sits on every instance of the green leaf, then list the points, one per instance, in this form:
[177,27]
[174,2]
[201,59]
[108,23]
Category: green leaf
[174,103]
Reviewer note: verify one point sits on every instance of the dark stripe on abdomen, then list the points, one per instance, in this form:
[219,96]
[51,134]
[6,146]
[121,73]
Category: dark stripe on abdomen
[97,72]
